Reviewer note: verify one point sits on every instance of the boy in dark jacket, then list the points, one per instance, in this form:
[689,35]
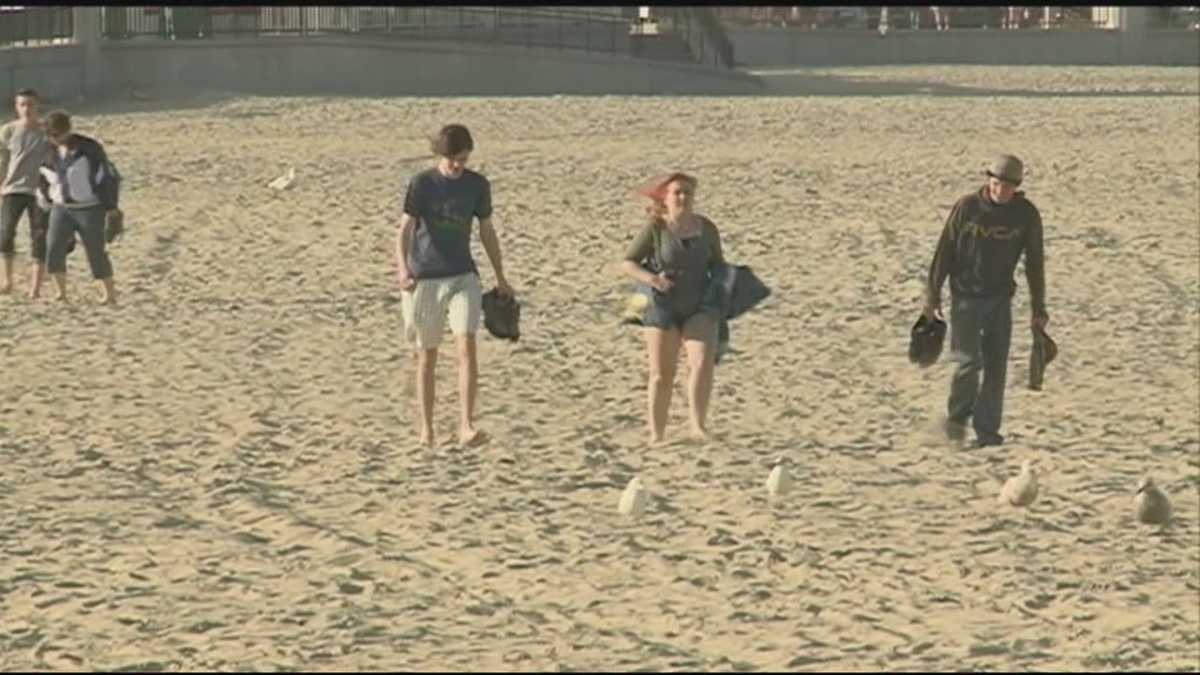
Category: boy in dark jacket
[78,185]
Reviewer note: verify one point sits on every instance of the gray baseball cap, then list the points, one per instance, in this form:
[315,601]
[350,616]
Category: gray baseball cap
[1007,168]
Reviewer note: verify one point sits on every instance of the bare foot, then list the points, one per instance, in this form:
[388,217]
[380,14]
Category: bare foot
[109,300]
[34,293]
[426,438]
[60,297]
[657,439]
[5,289]
[471,437]
[699,434]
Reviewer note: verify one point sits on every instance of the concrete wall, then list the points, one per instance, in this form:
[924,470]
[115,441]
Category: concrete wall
[359,65]
[55,71]
[772,47]
[1171,48]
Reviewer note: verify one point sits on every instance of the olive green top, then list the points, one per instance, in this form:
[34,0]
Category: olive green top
[686,261]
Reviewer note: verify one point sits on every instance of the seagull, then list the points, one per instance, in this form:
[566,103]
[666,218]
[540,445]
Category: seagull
[1022,489]
[284,182]
[633,500]
[779,482]
[1153,507]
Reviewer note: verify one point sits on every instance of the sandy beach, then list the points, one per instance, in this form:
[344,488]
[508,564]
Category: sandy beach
[222,472]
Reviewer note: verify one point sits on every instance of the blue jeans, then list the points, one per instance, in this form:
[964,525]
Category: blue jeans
[980,334]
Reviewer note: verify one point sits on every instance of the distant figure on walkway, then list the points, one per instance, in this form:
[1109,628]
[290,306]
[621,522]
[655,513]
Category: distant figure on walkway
[941,17]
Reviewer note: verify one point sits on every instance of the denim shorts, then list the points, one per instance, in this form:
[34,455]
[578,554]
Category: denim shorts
[660,314]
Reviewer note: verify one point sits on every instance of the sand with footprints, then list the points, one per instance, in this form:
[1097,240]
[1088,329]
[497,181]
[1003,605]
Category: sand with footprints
[221,473]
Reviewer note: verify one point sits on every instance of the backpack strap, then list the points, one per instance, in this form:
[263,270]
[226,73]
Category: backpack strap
[656,245]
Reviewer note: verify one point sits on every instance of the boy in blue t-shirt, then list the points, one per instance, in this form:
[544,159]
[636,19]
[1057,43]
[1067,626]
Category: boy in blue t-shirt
[437,274]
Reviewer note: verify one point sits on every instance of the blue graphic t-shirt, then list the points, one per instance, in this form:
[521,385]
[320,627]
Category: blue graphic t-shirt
[444,209]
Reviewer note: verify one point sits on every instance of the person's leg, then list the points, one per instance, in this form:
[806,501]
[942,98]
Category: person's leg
[38,231]
[10,213]
[59,235]
[995,341]
[964,350]
[91,230]
[700,341]
[426,367]
[465,310]
[423,325]
[662,347]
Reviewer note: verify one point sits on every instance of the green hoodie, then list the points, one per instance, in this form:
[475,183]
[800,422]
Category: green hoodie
[980,247]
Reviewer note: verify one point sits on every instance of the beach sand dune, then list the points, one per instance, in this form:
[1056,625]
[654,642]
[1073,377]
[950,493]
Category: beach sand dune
[221,473]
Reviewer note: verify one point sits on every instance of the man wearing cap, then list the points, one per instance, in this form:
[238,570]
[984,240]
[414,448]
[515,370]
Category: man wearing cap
[983,239]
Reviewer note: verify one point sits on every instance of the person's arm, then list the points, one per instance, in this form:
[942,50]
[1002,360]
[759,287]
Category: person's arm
[642,248]
[943,263]
[403,245]
[489,239]
[491,246]
[1035,269]
[99,160]
[4,154]
[718,255]
[404,234]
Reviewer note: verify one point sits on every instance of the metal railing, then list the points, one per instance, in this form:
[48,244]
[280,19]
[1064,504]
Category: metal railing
[588,29]
[918,17]
[570,28]
[1174,18]
[31,26]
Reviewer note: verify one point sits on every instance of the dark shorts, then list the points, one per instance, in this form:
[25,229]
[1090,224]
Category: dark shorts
[12,207]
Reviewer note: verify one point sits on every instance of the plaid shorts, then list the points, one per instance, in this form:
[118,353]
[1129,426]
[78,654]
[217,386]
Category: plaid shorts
[427,307]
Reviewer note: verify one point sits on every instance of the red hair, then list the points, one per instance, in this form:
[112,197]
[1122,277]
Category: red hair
[656,191]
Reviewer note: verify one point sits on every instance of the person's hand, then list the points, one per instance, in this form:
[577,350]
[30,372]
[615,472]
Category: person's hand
[661,282]
[404,280]
[1039,322]
[504,289]
[114,224]
[933,313]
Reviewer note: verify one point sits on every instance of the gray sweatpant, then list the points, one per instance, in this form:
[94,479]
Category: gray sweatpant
[89,223]
[980,334]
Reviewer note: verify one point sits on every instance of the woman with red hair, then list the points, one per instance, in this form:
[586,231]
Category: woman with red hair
[673,255]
